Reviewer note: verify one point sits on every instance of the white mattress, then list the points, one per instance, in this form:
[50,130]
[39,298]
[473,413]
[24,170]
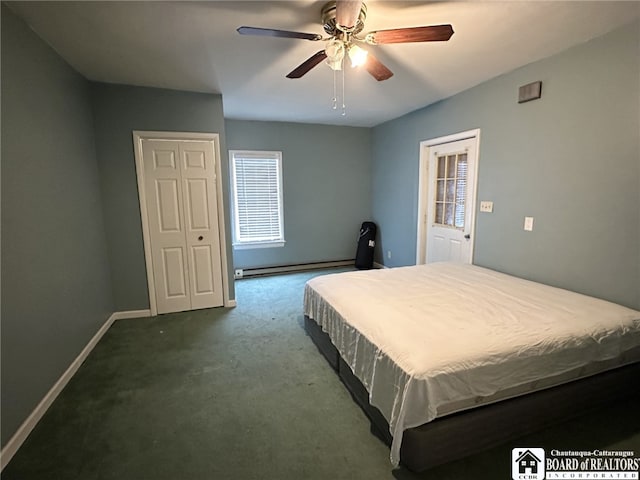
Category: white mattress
[429,340]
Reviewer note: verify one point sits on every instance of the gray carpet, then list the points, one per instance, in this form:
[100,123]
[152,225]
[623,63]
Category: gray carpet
[241,394]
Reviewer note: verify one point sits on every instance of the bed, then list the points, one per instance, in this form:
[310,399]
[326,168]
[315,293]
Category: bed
[448,359]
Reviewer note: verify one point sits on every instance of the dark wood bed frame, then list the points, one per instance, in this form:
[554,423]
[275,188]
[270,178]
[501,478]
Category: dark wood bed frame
[472,431]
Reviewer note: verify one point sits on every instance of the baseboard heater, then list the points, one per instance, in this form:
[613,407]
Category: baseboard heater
[254,272]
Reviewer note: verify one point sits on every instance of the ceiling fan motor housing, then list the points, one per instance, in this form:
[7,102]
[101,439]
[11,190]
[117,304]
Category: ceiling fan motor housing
[329,20]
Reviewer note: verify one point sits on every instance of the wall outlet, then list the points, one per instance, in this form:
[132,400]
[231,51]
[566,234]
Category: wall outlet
[389,254]
[238,273]
[528,224]
[486,206]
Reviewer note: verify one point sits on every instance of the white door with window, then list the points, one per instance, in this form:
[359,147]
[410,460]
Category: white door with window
[448,201]
[183,226]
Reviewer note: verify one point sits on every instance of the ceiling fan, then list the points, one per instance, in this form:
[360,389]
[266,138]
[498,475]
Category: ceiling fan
[343,21]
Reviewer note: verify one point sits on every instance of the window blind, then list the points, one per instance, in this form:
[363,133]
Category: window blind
[257,185]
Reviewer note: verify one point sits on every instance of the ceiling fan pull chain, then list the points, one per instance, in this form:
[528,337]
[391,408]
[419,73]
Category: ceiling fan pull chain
[344,106]
[335,93]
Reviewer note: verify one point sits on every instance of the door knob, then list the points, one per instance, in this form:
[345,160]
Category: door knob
[467,236]
[200,238]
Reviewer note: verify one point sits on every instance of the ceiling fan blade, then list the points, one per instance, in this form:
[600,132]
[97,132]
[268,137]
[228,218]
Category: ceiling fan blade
[377,69]
[347,12]
[270,32]
[307,65]
[434,33]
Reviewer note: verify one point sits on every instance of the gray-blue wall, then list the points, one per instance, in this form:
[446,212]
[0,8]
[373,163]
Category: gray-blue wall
[570,159]
[326,188]
[56,290]
[118,110]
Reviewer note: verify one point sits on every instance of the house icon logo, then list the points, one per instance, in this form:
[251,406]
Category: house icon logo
[527,464]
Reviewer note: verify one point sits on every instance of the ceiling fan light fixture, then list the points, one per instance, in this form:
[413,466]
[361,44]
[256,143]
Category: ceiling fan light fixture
[357,55]
[334,64]
[335,54]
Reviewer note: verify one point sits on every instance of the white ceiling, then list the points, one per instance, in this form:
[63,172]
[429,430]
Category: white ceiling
[194,46]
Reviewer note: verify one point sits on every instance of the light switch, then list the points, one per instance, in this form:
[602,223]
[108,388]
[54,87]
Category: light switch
[486,206]
[528,224]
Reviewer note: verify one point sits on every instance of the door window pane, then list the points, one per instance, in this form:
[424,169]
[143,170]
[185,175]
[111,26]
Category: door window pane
[439,212]
[440,191]
[451,166]
[451,188]
[441,167]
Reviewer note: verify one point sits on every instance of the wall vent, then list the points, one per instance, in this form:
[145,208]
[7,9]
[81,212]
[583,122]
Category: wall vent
[531,91]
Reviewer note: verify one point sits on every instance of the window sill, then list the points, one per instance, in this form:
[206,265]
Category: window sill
[248,246]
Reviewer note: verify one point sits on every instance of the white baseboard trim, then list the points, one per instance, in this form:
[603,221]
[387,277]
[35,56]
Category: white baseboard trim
[231,304]
[12,446]
[131,314]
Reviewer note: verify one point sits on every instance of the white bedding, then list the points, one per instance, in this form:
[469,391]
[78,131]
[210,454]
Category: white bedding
[427,337]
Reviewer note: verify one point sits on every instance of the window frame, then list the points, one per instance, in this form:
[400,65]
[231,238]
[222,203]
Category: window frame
[237,242]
